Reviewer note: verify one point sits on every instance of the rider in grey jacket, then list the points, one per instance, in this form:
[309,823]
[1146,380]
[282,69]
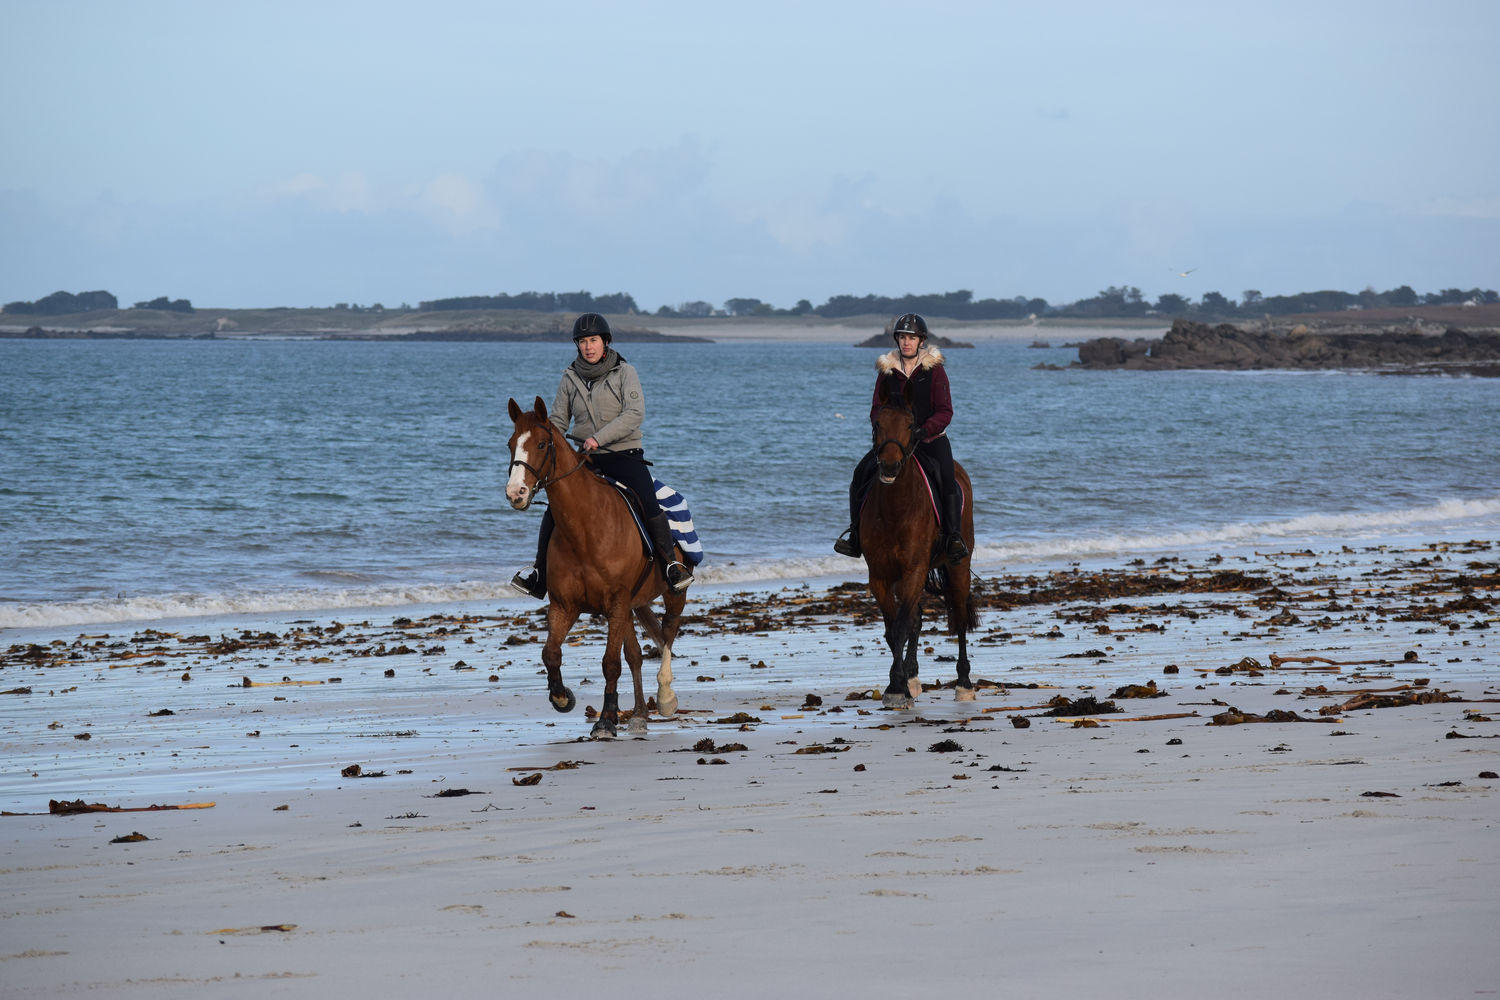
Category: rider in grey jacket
[600,397]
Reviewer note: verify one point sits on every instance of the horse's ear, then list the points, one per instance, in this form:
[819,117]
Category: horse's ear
[883,391]
[909,391]
[515,411]
[539,408]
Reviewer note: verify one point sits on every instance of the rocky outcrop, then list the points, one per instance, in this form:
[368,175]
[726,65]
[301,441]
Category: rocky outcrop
[1197,345]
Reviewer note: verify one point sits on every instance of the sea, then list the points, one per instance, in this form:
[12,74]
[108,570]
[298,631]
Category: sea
[158,479]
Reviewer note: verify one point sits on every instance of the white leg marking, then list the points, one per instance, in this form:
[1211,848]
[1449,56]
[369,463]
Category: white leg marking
[666,698]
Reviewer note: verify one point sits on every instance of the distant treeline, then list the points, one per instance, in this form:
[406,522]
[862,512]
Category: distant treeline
[569,302]
[64,303]
[1113,302]
[1128,301]
[67,303]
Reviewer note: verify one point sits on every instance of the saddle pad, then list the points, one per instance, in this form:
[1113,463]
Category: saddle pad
[680,519]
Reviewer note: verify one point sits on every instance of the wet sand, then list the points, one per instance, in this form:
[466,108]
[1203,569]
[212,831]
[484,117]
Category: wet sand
[1272,771]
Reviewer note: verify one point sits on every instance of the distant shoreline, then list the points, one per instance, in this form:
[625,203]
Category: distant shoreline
[514,326]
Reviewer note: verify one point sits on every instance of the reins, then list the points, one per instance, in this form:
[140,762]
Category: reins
[550,446]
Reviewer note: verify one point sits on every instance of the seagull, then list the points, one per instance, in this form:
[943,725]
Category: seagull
[1182,274]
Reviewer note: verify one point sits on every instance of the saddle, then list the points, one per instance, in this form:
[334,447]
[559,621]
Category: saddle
[679,519]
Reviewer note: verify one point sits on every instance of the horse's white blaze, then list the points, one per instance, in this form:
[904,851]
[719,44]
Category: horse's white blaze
[666,698]
[516,490]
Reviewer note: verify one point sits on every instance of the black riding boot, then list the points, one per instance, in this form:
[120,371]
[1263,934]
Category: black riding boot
[533,580]
[678,575]
[953,528]
[850,546]
[847,544]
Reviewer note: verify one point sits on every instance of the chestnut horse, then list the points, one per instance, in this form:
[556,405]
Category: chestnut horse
[595,563]
[902,542]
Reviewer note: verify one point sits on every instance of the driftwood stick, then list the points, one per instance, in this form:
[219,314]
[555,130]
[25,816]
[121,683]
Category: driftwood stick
[1277,660]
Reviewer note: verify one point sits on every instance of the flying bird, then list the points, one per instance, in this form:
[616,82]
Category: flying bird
[1182,274]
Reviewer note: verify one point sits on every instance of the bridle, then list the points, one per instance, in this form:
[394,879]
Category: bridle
[549,445]
[906,448]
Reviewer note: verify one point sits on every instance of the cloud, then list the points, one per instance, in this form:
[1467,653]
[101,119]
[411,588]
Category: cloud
[459,204]
[350,191]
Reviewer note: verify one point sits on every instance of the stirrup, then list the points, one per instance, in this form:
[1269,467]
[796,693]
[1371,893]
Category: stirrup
[957,550]
[847,544]
[679,577]
[529,582]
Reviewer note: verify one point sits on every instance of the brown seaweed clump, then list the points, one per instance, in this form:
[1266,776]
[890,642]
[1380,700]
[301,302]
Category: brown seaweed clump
[1087,705]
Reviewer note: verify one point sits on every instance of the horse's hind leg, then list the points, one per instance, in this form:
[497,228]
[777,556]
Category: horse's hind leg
[559,621]
[961,618]
[639,712]
[664,632]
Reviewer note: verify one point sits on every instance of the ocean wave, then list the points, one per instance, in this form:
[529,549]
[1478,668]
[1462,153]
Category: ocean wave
[1446,519]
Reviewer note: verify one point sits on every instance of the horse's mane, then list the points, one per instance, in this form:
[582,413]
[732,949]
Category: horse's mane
[895,398]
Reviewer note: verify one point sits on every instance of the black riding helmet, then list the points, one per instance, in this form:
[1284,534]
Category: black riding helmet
[594,325]
[910,323]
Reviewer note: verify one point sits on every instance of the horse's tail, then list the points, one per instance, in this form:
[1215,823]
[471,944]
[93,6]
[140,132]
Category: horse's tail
[963,616]
[652,626]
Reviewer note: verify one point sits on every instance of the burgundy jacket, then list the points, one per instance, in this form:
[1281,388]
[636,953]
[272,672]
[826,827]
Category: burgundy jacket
[931,399]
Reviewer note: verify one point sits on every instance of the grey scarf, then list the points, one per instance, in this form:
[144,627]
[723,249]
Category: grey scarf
[597,370]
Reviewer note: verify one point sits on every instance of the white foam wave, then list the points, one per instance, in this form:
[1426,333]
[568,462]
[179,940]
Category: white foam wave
[151,607]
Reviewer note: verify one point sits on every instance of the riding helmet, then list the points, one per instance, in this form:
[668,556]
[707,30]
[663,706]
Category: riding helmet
[594,325]
[910,323]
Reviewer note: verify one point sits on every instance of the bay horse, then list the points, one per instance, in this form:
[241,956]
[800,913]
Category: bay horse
[901,538]
[596,563]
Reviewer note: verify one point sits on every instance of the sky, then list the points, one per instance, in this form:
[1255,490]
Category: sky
[243,154]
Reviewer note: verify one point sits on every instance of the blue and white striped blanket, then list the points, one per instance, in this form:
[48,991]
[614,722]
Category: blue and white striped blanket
[675,506]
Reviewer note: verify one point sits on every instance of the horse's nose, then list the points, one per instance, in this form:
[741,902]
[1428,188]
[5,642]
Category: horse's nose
[517,495]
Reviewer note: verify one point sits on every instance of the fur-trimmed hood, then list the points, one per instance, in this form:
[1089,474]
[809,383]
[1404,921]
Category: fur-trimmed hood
[927,357]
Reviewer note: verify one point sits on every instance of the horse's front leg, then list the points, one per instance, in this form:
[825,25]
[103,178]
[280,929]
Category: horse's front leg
[913,637]
[609,712]
[559,622]
[898,633]
[639,711]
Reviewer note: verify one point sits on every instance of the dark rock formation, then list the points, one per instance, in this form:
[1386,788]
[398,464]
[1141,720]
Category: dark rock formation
[1198,346]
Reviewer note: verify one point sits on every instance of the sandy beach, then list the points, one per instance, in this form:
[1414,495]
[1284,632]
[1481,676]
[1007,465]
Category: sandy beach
[1267,772]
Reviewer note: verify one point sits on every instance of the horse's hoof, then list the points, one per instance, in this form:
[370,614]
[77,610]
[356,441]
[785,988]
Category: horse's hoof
[963,694]
[637,725]
[896,700]
[914,686]
[666,703]
[562,701]
[603,731]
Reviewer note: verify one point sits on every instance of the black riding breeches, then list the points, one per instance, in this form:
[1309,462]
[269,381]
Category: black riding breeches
[940,453]
[630,469]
